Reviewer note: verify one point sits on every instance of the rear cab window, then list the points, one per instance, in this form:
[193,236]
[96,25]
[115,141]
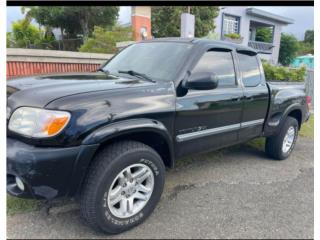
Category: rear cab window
[250,70]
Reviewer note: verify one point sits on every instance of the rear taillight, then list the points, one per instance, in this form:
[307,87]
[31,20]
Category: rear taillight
[308,100]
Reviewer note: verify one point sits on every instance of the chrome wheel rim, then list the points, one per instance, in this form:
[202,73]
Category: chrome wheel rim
[130,190]
[288,139]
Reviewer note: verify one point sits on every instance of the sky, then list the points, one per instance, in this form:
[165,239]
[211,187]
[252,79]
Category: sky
[303,17]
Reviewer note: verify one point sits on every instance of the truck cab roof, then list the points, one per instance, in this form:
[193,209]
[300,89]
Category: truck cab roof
[205,42]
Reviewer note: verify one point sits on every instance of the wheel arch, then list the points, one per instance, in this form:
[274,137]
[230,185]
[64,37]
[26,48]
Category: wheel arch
[277,119]
[148,131]
[295,112]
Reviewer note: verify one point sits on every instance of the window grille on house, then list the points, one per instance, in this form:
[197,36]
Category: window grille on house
[230,24]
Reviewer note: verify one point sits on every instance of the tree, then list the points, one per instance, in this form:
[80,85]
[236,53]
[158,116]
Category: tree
[166,20]
[74,20]
[55,17]
[309,36]
[264,34]
[289,47]
[305,48]
[104,41]
[9,40]
[25,35]
[307,45]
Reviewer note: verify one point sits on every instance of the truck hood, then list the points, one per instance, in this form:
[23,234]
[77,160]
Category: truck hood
[41,90]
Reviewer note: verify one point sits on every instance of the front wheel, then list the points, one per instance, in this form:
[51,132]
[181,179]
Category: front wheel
[279,147]
[123,187]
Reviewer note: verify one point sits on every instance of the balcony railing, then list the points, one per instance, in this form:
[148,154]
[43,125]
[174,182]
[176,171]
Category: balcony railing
[261,46]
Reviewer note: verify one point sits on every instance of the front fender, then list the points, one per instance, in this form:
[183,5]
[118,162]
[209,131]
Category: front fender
[110,131]
[127,126]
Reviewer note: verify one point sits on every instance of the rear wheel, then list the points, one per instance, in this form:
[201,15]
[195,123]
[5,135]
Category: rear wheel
[279,147]
[123,187]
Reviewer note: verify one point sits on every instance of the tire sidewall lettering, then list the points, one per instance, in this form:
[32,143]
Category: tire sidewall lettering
[150,164]
[294,141]
[123,222]
[135,218]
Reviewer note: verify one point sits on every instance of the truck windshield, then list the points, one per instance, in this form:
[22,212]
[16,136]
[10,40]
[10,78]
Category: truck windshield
[160,61]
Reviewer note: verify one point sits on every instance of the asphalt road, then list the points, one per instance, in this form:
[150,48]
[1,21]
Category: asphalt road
[234,193]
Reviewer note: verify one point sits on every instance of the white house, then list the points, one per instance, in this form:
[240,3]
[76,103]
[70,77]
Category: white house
[245,21]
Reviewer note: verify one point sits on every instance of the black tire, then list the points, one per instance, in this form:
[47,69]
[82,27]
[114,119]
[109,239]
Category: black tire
[108,163]
[273,146]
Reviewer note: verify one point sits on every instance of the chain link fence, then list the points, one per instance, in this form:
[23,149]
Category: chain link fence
[309,83]
[60,45]
[69,44]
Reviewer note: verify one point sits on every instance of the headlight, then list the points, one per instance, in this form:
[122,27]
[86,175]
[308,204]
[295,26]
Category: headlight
[36,122]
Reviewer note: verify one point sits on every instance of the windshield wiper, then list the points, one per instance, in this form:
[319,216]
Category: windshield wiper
[102,70]
[107,72]
[137,74]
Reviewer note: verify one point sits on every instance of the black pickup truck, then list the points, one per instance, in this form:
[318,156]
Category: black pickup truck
[105,138]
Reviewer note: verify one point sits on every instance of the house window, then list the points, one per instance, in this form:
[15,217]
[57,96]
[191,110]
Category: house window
[230,24]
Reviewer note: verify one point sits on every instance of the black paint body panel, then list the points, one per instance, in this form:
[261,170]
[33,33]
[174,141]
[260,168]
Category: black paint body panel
[105,107]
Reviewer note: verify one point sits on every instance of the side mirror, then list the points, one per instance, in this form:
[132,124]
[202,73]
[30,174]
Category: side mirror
[202,81]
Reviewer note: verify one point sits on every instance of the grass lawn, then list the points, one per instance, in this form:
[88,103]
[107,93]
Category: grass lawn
[17,205]
[307,129]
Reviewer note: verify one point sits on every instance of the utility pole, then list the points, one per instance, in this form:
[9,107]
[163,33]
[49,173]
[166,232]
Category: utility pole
[187,24]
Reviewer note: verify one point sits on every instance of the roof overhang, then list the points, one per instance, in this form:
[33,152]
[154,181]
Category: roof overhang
[263,14]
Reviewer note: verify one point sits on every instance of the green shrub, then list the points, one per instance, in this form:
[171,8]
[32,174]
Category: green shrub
[280,73]
[233,35]
[104,41]
[26,35]
[212,36]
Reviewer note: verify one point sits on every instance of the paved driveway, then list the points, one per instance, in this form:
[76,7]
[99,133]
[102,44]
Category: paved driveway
[234,193]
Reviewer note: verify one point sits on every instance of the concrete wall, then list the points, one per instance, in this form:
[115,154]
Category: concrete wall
[26,62]
[141,11]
